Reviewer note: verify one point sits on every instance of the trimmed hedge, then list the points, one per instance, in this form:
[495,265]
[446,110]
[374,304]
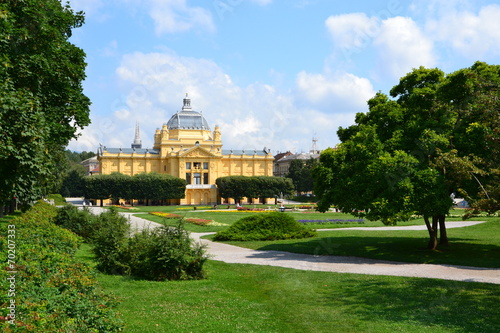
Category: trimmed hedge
[268,226]
[51,290]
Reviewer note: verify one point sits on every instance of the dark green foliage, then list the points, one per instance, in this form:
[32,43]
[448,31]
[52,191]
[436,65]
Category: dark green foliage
[76,157]
[300,174]
[266,226]
[53,291]
[239,187]
[81,221]
[41,96]
[144,186]
[72,184]
[165,253]
[110,241]
[438,134]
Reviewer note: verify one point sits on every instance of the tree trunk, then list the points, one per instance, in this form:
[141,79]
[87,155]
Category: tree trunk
[443,237]
[2,208]
[432,232]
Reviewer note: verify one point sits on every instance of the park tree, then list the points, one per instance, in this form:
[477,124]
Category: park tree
[435,135]
[239,187]
[299,172]
[144,186]
[41,97]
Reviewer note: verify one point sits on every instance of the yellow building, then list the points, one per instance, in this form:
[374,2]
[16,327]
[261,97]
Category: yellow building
[185,147]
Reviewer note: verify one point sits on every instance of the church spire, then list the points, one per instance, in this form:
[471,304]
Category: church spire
[187,103]
[137,140]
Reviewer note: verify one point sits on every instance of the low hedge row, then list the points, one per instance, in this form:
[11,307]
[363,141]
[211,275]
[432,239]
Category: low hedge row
[48,289]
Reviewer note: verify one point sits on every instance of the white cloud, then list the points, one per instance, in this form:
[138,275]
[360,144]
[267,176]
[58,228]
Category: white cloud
[172,16]
[350,31]
[471,35]
[122,114]
[401,46]
[250,117]
[337,93]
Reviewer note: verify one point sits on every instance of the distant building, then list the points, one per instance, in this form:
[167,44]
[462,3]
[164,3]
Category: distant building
[185,147]
[137,144]
[282,164]
[91,166]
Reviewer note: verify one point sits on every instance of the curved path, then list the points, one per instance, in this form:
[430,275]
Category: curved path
[235,254]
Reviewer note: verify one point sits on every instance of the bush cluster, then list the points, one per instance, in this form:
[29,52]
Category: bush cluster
[53,291]
[81,221]
[269,226]
[165,253]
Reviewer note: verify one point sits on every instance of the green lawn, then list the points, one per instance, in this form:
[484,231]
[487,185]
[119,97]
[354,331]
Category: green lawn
[231,217]
[477,245]
[248,298]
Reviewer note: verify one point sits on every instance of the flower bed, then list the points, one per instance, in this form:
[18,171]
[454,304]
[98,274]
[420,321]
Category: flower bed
[248,209]
[205,222]
[240,211]
[307,207]
[166,215]
[334,221]
[198,221]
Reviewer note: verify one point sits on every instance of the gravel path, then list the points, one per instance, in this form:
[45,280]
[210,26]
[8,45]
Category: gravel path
[234,254]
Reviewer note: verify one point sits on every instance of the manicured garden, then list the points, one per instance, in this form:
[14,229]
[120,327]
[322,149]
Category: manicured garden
[223,217]
[249,298]
[477,245]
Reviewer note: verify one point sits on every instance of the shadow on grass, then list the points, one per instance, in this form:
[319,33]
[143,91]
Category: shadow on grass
[454,305]
[461,251]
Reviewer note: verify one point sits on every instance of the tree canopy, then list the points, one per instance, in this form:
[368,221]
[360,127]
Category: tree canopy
[41,96]
[239,187]
[143,186]
[435,135]
[299,172]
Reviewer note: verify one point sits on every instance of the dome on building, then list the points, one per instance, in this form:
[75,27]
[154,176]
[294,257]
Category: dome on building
[187,118]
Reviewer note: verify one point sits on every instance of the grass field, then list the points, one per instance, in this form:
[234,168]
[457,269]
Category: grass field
[249,298]
[477,246]
[229,217]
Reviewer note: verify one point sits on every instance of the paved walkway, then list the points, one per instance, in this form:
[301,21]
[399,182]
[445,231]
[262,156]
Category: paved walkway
[235,254]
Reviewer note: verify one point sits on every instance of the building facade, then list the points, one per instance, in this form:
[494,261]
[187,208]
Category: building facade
[282,163]
[187,148]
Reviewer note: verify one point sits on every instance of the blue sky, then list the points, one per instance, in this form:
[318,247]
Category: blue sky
[270,73]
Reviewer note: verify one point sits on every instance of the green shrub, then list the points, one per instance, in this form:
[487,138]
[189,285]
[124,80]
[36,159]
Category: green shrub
[268,226]
[110,239]
[81,221]
[165,253]
[53,291]
[58,199]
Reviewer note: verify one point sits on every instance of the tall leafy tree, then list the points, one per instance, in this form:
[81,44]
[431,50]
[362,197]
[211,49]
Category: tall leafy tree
[437,135]
[239,187]
[41,97]
[300,173]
